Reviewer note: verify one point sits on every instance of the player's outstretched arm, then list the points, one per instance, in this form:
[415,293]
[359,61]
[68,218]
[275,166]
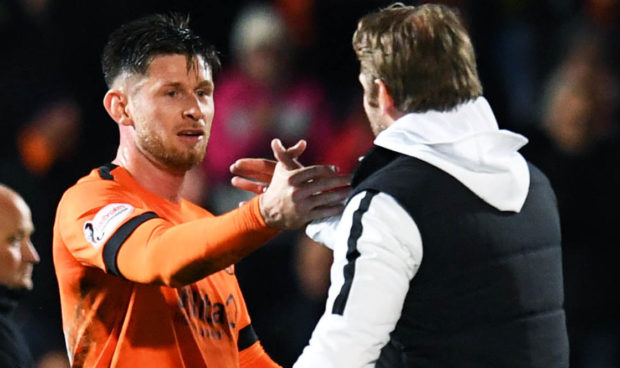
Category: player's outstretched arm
[292,199]
[144,248]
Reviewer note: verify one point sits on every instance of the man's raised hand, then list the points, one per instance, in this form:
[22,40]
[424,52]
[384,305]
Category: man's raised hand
[294,195]
[254,174]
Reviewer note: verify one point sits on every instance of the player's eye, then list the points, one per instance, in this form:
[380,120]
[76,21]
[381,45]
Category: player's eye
[15,240]
[203,92]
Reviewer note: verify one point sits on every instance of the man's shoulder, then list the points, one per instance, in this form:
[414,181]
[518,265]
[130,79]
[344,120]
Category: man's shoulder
[92,185]
[397,170]
[95,190]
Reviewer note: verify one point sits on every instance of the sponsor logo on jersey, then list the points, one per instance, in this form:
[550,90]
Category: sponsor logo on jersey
[209,318]
[105,222]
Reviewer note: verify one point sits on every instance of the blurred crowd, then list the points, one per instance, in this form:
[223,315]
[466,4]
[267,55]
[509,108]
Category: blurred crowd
[549,69]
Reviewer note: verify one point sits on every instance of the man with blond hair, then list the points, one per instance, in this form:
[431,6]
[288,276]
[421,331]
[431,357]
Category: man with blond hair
[448,251]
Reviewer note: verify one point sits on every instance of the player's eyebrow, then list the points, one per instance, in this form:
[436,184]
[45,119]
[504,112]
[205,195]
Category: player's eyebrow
[201,84]
[206,84]
[171,84]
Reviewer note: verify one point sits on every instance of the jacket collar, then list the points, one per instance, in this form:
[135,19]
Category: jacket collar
[467,144]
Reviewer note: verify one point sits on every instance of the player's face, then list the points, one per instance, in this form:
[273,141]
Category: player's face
[17,255]
[371,106]
[172,109]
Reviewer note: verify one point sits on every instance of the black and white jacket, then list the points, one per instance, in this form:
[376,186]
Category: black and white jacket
[379,248]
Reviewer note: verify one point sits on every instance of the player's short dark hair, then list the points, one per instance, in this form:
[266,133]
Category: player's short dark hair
[132,47]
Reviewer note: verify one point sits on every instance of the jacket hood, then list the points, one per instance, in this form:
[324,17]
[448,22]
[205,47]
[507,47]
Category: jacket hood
[467,144]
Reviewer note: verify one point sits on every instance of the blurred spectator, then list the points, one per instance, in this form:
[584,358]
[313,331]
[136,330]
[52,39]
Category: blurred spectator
[578,150]
[581,98]
[259,98]
[17,256]
[297,15]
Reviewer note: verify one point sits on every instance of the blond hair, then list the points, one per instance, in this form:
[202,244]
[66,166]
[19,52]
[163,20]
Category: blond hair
[423,55]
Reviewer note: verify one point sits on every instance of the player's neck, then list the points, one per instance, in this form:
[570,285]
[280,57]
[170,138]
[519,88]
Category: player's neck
[151,176]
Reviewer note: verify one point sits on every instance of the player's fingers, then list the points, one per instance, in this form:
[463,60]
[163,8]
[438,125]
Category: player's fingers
[254,168]
[248,185]
[314,172]
[325,211]
[296,150]
[320,185]
[331,198]
[280,153]
[327,198]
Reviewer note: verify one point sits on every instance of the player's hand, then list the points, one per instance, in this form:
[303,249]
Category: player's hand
[254,174]
[297,195]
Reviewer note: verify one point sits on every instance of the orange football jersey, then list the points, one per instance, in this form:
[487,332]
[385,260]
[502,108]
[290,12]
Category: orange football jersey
[122,257]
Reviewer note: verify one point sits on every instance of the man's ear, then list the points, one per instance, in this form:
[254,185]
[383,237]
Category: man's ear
[384,98]
[115,103]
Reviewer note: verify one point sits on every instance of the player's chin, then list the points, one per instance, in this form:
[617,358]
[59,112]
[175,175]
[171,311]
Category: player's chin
[196,156]
[188,160]
[24,282]
[191,152]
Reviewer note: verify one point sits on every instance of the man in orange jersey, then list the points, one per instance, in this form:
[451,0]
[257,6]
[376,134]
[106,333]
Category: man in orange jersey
[146,277]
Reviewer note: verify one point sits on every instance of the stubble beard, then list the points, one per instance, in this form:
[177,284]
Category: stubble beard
[376,124]
[171,158]
[377,128]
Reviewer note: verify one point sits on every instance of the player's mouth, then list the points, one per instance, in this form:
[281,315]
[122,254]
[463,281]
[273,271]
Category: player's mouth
[191,135]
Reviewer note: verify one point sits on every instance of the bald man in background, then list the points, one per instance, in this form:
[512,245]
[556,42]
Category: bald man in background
[17,257]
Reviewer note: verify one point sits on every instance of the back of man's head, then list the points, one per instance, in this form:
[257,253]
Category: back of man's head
[132,47]
[423,54]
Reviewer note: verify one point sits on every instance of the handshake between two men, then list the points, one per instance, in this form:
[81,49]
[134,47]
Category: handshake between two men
[292,195]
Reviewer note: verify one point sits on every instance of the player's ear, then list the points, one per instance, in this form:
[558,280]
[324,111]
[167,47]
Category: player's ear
[115,103]
[384,98]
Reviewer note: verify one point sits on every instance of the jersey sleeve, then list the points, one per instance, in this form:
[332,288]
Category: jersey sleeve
[255,356]
[377,252]
[103,228]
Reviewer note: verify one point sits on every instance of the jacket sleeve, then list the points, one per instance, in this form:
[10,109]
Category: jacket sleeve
[377,252]
[115,234]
